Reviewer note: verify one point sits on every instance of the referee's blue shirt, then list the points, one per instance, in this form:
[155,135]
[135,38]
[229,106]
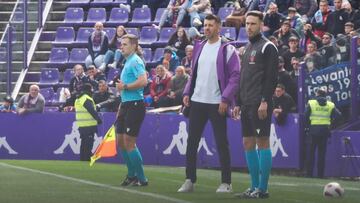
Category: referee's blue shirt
[133,68]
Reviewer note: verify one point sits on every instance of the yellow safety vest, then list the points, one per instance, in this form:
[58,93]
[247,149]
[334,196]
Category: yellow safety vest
[83,117]
[320,115]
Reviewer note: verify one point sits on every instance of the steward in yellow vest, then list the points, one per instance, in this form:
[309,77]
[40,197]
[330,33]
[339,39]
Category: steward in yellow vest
[320,115]
[87,120]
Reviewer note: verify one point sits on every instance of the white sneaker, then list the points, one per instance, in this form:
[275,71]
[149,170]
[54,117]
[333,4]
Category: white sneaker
[145,6]
[224,188]
[188,186]
[197,22]
[157,27]
[102,67]
[127,7]
[113,65]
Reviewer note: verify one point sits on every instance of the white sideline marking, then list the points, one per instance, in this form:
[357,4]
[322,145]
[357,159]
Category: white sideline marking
[87,182]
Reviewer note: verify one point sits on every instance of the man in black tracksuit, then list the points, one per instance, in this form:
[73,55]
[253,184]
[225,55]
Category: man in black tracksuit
[258,79]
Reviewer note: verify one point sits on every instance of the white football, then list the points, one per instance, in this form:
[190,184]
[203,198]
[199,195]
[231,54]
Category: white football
[333,189]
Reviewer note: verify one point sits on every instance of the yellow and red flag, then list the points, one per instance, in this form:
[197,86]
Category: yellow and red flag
[107,147]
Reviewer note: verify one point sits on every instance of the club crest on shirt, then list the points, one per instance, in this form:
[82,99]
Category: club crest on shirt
[252,57]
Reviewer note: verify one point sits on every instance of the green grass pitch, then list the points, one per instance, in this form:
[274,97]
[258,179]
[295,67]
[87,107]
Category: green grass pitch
[27,181]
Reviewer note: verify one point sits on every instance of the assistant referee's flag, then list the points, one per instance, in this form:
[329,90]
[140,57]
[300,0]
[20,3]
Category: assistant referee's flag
[107,147]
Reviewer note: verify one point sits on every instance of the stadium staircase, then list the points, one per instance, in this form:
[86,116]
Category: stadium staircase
[44,45]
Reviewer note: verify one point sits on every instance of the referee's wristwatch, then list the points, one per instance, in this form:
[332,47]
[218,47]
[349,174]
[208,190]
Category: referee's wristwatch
[126,87]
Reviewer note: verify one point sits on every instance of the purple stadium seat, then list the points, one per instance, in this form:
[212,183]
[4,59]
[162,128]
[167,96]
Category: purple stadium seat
[48,94]
[79,2]
[164,37]
[68,74]
[242,37]
[74,16]
[132,30]
[224,12]
[158,15]
[111,74]
[148,35]
[2,54]
[110,32]
[118,16]
[141,17]
[77,56]
[64,36]
[147,54]
[159,52]
[49,77]
[95,15]
[101,3]
[58,57]
[229,32]
[83,36]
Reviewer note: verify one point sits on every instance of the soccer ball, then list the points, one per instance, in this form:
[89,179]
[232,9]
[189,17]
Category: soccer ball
[333,189]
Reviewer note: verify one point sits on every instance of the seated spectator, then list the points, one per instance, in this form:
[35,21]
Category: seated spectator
[272,20]
[173,14]
[295,21]
[170,60]
[114,53]
[293,51]
[159,86]
[284,33]
[32,102]
[177,85]
[104,99]
[313,58]
[187,60]
[283,104]
[349,27]
[97,47]
[8,105]
[320,21]
[342,48]
[198,10]
[327,51]
[94,76]
[76,84]
[178,41]
[306,8]
[237,17]
[285,79]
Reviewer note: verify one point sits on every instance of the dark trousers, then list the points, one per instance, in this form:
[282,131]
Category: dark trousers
[319,142]
[200,113]
[87,141]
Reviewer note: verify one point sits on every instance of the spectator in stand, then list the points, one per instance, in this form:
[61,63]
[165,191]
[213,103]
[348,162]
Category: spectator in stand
[309,37]
[342,48]
[94,76]
[32,102]
[349,27]
[237,17]
[187,60]
[177,85]
[295,21]
[285,79]
[102,96]
[178,41]
[283,104]
[98,45]
[170,60]
[312,55]
[283,5]
[284,33]
[320,20]
[327,51]
[337,19]
[76,84]
[354,14]
[272,20]
[197,11]
[114,53]
[306,8]
[173,14]
[294,74]
[8,105]
[159,86]
[293,51]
